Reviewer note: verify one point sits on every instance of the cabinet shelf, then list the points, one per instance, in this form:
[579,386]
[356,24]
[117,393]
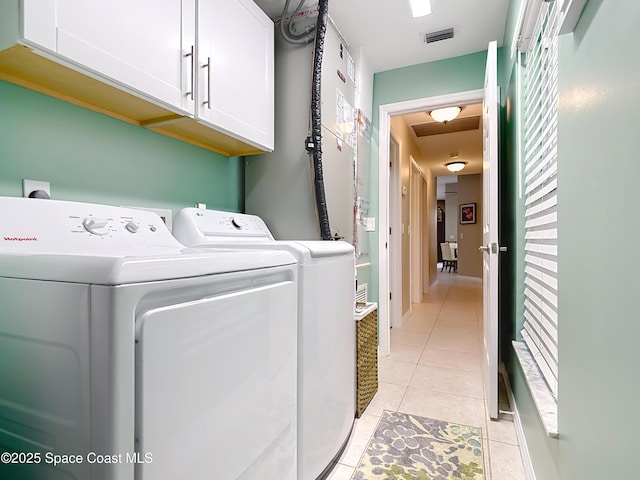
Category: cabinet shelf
[22,66]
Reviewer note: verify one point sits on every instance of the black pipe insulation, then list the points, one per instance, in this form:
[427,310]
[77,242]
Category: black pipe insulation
[314,140]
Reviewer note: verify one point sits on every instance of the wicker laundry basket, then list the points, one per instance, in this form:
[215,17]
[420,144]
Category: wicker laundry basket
[366,356]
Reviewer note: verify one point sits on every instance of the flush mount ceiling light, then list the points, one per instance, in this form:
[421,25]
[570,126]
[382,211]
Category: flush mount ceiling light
[445,114]
[420,8]
[455,166]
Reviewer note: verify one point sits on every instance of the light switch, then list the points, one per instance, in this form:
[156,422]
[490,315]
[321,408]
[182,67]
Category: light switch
[370,225]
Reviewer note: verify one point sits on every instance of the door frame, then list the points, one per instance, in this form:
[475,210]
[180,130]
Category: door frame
[386,111]
[395,235]
[416,220]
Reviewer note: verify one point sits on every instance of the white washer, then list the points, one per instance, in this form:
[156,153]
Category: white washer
[148,360]
[326,332]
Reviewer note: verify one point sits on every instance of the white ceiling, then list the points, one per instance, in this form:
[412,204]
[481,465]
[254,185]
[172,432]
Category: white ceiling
[390,38]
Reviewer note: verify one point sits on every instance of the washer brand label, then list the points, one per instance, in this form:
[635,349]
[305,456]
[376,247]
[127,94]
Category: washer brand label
[20,239]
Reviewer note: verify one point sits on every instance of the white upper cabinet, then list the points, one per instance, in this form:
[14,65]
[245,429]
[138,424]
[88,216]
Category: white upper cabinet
[142,44]
[236,64]
[38,26]
[198,70]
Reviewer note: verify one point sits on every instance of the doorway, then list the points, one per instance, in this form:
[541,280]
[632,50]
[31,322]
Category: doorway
[386,275]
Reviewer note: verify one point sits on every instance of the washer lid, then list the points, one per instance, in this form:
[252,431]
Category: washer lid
[213,228]
[322,248]
[88,243]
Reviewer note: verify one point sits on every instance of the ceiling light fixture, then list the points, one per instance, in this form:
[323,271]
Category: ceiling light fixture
[455,166]
[445,115]
[420,8]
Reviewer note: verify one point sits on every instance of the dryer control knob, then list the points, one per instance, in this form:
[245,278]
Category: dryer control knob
[132,227]
[235,223]
[97,226]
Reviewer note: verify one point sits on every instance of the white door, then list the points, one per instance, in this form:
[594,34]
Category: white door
[490,229]
[216,385]
[236,69]
[142,45]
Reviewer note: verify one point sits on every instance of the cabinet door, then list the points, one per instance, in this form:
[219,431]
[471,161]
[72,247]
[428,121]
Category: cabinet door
[235,60]
[143,45]
[38,24]
[216,386]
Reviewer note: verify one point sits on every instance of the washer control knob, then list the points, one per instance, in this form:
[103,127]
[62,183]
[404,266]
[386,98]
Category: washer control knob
[96,226]
[235,223]
[132,227]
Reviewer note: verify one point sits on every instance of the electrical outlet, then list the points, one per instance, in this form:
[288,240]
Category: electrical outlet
[29,186]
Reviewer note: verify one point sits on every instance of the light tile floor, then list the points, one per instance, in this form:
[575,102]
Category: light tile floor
[435,370]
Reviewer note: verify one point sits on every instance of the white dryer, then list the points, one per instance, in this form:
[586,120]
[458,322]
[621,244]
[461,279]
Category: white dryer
[326,331]
[124,355]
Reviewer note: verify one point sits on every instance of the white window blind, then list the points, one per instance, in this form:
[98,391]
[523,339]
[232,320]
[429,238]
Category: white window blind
[540,151]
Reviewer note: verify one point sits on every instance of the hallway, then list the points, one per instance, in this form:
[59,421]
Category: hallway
[435,371]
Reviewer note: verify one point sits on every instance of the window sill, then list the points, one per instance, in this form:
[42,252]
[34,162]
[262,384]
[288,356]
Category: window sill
[546,405]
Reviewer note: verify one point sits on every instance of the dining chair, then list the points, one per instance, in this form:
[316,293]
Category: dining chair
[448,260]
[454,254]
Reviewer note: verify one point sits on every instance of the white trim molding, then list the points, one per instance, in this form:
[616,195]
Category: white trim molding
[570,12]
[545,403]
[522,441]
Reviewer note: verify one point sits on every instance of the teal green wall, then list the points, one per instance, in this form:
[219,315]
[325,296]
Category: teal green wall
[598,177]
[599,88]
[425,80]
[452,75]
[87,156]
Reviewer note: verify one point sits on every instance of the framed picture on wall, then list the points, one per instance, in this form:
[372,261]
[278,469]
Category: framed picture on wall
[467,213]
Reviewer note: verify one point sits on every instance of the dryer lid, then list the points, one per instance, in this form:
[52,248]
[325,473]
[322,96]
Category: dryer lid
[101,244]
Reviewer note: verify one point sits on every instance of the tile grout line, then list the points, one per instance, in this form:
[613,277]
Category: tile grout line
[486,440]
[424,348]
[406,388]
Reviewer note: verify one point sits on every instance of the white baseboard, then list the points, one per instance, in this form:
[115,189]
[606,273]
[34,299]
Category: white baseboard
[406,316]
[522,441]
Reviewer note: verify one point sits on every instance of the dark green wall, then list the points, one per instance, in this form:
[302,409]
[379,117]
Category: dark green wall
[542,449]
[87,156]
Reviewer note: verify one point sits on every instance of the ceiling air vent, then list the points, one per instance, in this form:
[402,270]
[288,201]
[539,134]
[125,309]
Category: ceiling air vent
[432,37]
